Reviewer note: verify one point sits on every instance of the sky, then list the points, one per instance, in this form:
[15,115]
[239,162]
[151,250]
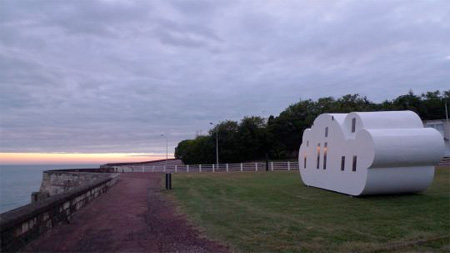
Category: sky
[108,78]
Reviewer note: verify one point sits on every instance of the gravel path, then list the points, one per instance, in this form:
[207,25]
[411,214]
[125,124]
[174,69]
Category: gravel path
[132,216]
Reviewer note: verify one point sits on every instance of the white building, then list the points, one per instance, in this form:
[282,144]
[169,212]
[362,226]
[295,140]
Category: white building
[363,153]
[443,127]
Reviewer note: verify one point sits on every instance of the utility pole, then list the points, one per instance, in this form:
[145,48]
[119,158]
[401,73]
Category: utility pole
[446,126]
[217,144]
[446,111]
[266,122]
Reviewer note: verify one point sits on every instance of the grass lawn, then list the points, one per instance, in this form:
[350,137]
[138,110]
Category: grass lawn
[274,211]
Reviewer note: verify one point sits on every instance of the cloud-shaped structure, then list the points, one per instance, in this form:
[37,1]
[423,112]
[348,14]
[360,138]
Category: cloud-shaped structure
[363,153]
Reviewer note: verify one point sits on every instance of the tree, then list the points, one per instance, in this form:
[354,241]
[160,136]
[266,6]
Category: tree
[280,136]
[228,140]
[407,102]
[433,105]
[252,135]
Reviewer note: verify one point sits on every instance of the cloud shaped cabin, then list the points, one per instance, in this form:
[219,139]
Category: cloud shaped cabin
[364,153]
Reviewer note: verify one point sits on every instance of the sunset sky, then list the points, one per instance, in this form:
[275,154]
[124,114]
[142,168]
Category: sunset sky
[85,81]
[74,158]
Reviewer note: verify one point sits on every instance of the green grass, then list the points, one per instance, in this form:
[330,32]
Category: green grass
[274,211]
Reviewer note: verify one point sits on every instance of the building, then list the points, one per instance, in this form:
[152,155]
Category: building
[443,127]
[364,153]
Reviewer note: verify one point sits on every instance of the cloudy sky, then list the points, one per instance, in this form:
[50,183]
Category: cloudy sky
[111,76]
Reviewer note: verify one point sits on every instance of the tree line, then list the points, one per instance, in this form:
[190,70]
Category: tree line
[257,138]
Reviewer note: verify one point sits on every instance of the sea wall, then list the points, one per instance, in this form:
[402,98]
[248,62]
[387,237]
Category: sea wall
[59,181]
[19,226]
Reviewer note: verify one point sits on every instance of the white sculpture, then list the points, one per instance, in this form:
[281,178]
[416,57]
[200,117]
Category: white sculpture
[363,153]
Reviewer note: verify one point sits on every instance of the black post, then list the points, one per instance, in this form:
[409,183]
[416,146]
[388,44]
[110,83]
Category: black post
[267,161]
[168,181]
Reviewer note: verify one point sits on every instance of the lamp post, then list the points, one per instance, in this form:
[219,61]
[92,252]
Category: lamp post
[217,144]
[265,143]
[167,149]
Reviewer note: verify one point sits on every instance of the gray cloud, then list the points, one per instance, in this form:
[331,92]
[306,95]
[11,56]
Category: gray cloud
[112,76]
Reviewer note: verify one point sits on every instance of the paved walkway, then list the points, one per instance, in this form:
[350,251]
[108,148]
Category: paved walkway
[131,217]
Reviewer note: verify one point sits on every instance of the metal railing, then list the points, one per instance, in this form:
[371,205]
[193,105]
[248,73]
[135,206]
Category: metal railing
[199,168]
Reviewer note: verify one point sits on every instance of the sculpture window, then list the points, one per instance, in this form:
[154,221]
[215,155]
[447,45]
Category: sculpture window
[325,150]
[318,155]
[342,163]
[326,131]
[353,125]
[304,162]
[354,162]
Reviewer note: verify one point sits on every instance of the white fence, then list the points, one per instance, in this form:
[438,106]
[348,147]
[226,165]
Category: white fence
[224,167]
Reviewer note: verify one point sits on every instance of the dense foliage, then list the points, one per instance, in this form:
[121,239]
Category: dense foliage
[279,137]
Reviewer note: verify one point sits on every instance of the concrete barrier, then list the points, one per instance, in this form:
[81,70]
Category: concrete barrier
[20,226]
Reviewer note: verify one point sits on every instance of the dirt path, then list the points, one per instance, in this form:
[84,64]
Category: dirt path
[131,217]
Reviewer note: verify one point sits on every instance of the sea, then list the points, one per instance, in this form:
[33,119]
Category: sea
[17,182]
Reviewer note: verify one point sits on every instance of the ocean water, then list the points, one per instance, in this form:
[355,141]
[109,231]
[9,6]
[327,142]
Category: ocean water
[17,182]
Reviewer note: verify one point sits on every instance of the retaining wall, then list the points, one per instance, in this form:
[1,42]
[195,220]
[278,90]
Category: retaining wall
[19,226]
[58,181]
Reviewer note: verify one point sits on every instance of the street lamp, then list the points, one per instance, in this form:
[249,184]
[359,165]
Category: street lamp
[217,144]
[167,149]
